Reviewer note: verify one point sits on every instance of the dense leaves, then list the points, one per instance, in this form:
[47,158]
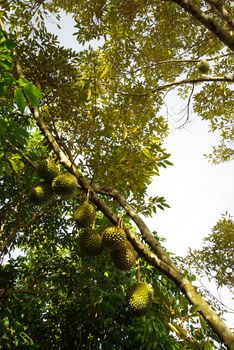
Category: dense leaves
[152,59]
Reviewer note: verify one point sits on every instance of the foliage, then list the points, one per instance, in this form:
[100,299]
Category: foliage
[72,301]
[215,259]
[152,59]
[99,113]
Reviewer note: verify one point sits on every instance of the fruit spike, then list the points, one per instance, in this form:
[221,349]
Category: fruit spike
[47,169]
[203,66]
[40,194]
[85,215]
[114,237]
[91,242]
[65,185]
[124,257]
[139,298]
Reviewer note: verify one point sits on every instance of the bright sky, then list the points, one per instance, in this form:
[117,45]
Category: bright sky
[197,191]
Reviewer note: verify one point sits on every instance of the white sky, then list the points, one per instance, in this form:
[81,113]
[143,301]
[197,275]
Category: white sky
[197,191]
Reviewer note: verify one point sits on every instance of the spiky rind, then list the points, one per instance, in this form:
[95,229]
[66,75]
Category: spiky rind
[40,194]
[91,242]
[203,66]
[124,258]
[85,215]
[114,237]
[47,169]
[65,185]
[139,298]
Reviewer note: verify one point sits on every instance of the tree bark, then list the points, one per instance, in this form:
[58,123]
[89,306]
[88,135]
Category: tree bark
[206,20]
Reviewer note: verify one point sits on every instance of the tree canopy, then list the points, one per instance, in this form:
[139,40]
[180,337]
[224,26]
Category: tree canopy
[97,114]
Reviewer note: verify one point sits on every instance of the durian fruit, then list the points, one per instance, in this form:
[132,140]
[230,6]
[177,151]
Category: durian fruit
[47,169]
[114,237]
[40,194]
[139,298]
[85,215]
[124,257]
[65,185]
[203,66]
[91,242]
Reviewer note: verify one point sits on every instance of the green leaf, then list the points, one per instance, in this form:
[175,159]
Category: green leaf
[155,139]
[6,65]
[194,309]
[203,323]
[146,152]
[6,56]
[33,94]
[6,322]
[14,165]
[3,88]
[23,82]
[20,99]
[104,72]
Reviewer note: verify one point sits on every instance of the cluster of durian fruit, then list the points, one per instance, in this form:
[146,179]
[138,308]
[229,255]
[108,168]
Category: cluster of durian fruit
[54,183]
[113,238]
[140,295]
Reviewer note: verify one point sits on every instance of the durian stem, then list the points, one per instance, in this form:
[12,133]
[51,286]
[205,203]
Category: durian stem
[138,271]
[88,196]
[120,222]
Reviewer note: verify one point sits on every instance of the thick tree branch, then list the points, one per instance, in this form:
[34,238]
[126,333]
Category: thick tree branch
[222,12]
[222,34]
[146,233]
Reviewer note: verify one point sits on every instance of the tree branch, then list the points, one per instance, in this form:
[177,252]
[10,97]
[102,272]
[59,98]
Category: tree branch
[222,34]
[222,12]
[146,233]
[26,158]
[5,293]
[179,61]
[226,78]
[7,242]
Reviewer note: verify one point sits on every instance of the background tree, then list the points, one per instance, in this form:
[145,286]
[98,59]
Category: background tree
[215,259]
[101,122]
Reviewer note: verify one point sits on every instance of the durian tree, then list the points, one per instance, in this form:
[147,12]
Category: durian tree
[97,114]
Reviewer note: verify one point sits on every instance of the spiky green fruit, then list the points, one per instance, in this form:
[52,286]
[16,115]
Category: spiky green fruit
[91,242]
[47,169]
[114,237]
[65,185]
[40,194]
[85,215]
[124,257]
[139,298]
[203,66]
